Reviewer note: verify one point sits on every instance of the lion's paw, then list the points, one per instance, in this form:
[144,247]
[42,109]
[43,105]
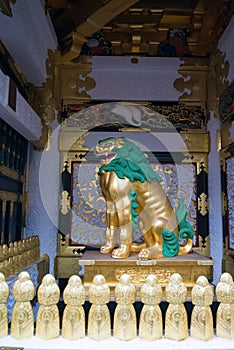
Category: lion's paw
[106,249]
[121,253]
[153,252]
[144,254]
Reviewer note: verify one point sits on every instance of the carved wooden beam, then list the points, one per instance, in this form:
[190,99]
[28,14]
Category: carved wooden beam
[5,7]
[94,22]
[204,31]
[103,15]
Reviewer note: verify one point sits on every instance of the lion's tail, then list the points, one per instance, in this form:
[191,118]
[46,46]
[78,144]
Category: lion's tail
[185,229]
[186,248]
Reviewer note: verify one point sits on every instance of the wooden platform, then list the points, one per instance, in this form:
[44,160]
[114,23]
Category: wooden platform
[190,267]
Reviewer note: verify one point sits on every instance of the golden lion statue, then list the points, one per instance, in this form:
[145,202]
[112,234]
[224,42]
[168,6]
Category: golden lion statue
[134,196]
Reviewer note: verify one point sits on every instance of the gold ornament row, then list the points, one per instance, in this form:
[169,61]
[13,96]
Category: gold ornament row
[17,255]
[125,323]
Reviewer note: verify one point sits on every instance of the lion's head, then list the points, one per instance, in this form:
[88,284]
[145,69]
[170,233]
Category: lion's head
[123,157]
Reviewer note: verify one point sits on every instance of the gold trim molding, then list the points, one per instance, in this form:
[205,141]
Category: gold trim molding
[196,141]
[4,170]
[8,196]
[193,72]
[203,204]
[75,81]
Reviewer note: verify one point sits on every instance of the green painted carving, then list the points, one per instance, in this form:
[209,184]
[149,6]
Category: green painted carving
[135,169]
[170,243]
[185,229]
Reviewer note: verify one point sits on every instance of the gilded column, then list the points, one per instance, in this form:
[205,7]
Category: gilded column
[6,267]
[12,266]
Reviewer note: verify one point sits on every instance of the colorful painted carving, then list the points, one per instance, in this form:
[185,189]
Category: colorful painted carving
[97,46]
[175,44]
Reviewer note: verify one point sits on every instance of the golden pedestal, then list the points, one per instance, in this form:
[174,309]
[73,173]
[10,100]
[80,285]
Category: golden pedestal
[190,267]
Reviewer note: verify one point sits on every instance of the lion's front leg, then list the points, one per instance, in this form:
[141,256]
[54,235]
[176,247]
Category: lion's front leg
[111,230]
[125,235]
[110,241]
[123,251]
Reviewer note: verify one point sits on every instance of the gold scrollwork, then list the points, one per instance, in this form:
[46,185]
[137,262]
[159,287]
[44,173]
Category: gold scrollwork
[147,262]
[193,82]
[76,81]
[65,202]
[203,204]
[78,145]
[138,276]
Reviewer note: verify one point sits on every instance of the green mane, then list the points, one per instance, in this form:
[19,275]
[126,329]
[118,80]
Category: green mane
[130,162]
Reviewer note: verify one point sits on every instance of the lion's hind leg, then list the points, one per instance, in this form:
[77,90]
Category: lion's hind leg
[160,240]
[153,241]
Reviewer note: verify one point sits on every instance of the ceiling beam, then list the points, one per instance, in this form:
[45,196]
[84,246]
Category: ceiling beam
[76,14]
[95,22]
[103,15]
[5,7]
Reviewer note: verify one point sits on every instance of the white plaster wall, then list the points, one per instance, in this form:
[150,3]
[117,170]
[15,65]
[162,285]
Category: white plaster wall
[226,45]
[24,119]
[150,79]
[43,197]
[28,35]
[215,200]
